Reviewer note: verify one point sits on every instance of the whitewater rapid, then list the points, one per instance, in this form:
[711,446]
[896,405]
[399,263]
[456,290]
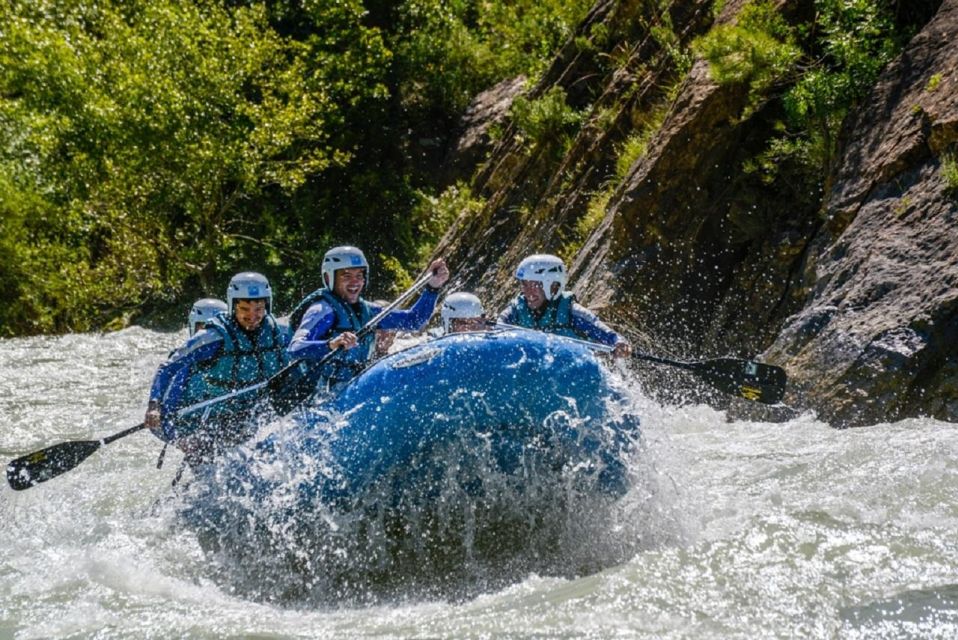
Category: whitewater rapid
[745,530]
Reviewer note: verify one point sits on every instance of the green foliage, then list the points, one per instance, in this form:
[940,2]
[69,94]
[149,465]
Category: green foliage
[599,36]
[843,51]
[766,164]
[663,31]
[395,273]
[717,7]
[526,33]
[434,215]
[849,44]
[584,226]
[548,121]
[631,150]
[758,50]
[149,148]
[635,145]
[628,153]
[145,128]
[933,83]
[857,39]
[949,171]
[446,52]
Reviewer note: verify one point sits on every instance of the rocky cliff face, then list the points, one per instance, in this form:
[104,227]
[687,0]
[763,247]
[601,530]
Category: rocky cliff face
[877,336]
[852,287]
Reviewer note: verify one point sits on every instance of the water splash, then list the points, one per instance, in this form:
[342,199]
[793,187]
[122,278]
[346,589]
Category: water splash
[449,523]
[730,528]
[393,499]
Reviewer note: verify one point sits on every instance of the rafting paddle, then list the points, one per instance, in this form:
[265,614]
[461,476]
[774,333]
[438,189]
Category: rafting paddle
[296,382]
[40,466]
[755,381]
[285,390]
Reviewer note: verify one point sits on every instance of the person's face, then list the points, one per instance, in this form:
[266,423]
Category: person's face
[461,325]
[199,326]
[349,283]
[533,293]
[250,313]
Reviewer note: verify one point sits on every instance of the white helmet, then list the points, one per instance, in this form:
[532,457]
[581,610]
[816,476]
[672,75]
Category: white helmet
[342,258]
[546,269]
[203,310]
[249,285]
[460,305]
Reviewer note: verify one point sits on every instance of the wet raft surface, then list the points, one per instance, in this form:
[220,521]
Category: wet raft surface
[463,459]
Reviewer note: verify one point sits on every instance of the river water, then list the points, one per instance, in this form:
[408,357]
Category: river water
[790,530]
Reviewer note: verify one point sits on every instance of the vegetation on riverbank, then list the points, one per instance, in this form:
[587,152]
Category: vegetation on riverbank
[150,148]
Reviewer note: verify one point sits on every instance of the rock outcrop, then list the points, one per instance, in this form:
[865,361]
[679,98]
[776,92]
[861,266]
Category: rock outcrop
[488,109]
[877,337]
[853,287]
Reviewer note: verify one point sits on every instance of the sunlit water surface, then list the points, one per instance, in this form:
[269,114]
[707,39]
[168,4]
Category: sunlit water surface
[745,530]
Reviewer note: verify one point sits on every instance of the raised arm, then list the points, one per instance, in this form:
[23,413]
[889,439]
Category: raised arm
[415,317]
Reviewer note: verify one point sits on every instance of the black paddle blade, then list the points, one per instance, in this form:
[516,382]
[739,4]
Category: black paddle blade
[40,466]
[746,379]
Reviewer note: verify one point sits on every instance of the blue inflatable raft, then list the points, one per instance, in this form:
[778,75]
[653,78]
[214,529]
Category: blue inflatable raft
[477,412]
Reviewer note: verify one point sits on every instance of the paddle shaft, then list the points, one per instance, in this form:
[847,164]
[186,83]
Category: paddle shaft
[301,368]
[595,346]
[746,379]
[297,381]
[370,326]
[598,346]
[40,466]
[123,434]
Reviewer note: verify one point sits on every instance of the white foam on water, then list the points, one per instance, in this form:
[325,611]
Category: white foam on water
[735,529]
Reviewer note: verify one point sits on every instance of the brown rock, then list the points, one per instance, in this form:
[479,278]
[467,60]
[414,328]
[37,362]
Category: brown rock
[489,108]
[853,288]
[878,337]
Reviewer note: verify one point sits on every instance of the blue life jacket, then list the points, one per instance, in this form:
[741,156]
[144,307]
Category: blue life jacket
[296,315]
[346,365]
[555,318]
[241,361]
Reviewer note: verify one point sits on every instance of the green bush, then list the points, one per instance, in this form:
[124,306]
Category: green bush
[433,216]
[852,41]
[635,145]
[663,31]
[843,51]
[548,121]
[757,50]
[148,128]
[949,170]
[446,52]
[149,148]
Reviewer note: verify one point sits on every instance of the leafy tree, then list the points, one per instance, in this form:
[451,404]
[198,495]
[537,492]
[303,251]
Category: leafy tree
[148,129]
[149,148]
